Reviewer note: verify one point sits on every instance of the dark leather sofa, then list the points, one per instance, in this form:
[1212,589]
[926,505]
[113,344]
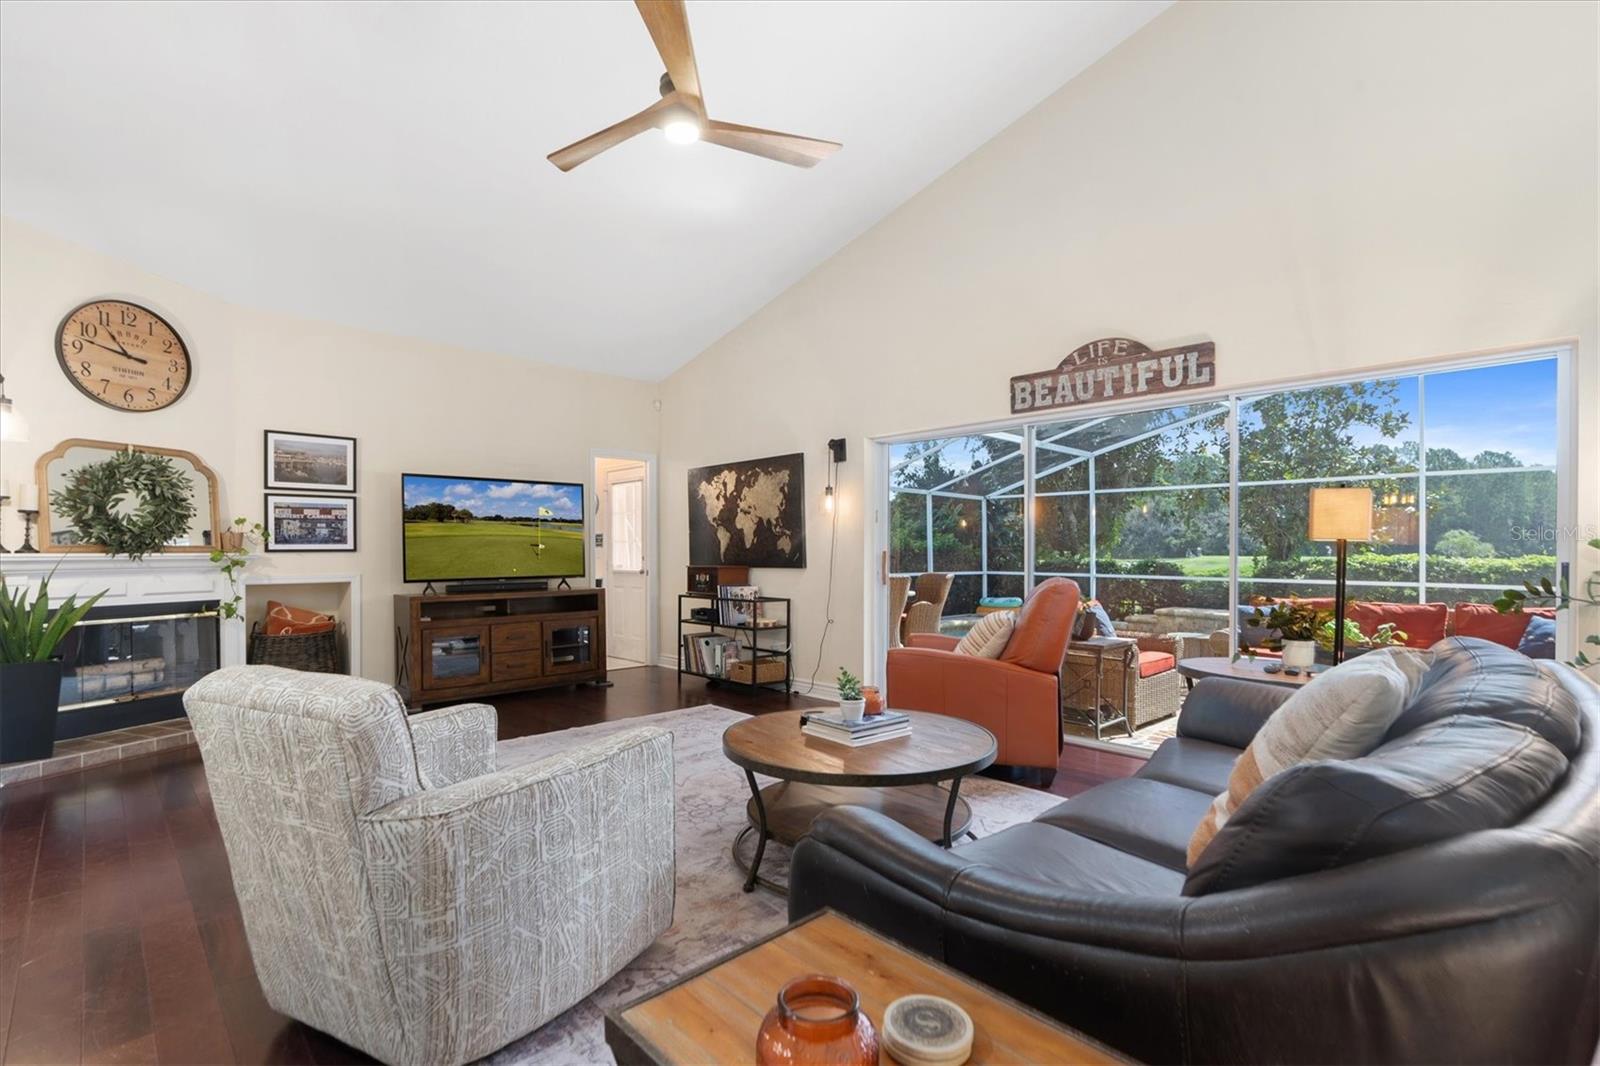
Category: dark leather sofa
[1436,901]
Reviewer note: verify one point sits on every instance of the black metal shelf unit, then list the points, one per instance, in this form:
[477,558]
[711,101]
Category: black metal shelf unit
[753,646]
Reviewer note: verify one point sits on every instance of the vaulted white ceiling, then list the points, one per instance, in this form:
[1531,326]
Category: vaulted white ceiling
[383,165]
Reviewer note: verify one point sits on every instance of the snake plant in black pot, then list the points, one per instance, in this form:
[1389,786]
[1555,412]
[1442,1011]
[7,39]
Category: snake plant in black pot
[30,672]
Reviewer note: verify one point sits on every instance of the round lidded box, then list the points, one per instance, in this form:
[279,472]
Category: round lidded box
[927,1031]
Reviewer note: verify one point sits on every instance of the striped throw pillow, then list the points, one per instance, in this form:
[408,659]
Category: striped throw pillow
[1342,714]
[989,635]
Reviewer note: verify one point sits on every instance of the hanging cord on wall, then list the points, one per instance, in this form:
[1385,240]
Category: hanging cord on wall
[833,541]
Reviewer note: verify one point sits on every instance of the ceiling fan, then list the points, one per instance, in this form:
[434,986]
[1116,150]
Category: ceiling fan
[681,112]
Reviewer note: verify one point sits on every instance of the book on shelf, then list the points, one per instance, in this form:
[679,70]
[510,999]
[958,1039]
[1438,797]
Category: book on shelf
[737,605]
[709,653]
[856,741]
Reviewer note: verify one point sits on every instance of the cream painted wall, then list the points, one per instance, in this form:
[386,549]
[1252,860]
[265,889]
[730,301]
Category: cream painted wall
[1317,187]
[411,405]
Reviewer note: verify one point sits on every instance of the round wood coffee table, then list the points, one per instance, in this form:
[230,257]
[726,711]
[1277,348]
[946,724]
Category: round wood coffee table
[898,778]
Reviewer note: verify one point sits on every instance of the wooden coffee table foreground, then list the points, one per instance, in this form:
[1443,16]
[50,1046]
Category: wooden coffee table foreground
[713,1014]
[899,778]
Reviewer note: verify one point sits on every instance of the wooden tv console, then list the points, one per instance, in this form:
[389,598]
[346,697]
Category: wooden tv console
[449,649]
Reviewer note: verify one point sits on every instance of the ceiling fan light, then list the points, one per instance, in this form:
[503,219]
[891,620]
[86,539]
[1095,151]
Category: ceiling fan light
[682,131]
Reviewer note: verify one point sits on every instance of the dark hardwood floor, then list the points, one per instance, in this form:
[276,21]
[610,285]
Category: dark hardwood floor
[120,937]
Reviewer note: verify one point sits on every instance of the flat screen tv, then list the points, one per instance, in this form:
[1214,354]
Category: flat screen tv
[490,529]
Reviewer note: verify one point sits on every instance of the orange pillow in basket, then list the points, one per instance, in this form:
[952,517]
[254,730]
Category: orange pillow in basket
[286,621]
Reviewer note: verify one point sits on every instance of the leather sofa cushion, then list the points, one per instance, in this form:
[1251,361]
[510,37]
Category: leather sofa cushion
[1043,853]
[1424,624]
[1342,714]
[1044,625]
[1151,819]
[1459,775]
[1152,663]
[1479,677]
[1200,765]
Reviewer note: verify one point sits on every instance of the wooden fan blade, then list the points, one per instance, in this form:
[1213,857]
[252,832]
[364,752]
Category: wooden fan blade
[592,145]
[784,147]
[668,24]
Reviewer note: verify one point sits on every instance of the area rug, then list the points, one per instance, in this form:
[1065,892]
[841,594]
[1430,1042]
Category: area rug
[713,915]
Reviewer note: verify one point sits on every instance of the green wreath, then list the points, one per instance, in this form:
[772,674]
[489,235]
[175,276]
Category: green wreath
[92,493]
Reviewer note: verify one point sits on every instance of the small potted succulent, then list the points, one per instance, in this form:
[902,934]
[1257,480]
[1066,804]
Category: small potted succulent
[30,672]
[852,705]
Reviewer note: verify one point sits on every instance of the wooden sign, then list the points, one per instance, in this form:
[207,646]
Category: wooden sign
[1115,368]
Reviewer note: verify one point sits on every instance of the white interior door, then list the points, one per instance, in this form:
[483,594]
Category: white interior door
[626,534]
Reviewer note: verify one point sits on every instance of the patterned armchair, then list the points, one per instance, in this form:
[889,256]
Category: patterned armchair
[400,893]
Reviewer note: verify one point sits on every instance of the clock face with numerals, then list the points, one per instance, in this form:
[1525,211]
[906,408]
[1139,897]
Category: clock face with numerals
[123,355]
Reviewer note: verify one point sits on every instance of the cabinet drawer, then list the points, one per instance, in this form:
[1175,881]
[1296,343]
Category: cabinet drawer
[513,665]
[516,636]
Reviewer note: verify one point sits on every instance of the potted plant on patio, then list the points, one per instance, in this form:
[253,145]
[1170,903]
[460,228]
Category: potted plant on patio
[1297,624]
[852,705]
[1356,642]
[30,673]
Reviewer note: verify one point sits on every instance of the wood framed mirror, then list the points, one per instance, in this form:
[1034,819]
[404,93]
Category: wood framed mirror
[50,473]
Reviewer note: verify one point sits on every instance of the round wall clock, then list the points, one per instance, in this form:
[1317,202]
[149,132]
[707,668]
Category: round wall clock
[123,355]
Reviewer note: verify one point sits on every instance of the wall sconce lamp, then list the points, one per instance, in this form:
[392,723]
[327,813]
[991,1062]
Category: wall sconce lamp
[835,457]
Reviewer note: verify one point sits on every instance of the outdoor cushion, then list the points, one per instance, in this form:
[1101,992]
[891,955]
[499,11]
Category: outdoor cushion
[1483,621]
[1459,775]
[1044,626]
[1093,622]
[1539,639]
[1340,714]
[1156,662]
[1423,623]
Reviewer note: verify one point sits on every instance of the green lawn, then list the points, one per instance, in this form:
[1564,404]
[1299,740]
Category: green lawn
[446,550]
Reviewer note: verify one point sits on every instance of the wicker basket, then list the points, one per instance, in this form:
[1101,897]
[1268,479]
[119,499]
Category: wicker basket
[317,653]
[768,669]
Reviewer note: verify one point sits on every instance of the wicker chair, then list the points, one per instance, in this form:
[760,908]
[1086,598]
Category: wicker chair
[927,608]
[899,588]
[1127,690]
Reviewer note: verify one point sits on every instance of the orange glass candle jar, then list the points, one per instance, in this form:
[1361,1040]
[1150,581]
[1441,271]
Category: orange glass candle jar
[874,699]
[817,1021]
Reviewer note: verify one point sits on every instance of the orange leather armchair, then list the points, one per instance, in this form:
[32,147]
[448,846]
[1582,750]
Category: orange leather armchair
[1017,697]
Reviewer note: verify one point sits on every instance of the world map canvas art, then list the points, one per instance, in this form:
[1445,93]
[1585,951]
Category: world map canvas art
[749,513]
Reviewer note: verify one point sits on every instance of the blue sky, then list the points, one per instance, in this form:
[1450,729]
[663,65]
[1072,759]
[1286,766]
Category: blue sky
[486,497]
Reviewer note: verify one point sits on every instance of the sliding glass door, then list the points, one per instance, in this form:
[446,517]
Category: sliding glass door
[1169,515]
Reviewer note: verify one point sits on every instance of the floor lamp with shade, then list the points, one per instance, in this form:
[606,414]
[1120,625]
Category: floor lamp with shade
[1341,515]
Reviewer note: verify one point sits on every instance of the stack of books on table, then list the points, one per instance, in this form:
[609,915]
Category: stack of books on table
[830,725]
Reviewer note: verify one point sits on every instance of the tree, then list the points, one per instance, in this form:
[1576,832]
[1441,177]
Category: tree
[1311,433]
[1464,545]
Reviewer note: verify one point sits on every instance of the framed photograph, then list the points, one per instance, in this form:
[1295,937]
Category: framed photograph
[311,523]
[310,462]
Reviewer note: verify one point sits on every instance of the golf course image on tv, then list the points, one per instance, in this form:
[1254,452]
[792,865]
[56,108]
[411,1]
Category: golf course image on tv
[468,528]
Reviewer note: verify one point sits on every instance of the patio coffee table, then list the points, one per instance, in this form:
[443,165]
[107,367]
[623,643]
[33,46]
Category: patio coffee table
[898,778]
[1243,670]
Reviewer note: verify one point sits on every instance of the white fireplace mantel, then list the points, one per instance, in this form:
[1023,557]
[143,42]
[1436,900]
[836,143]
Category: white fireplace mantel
[151,581]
